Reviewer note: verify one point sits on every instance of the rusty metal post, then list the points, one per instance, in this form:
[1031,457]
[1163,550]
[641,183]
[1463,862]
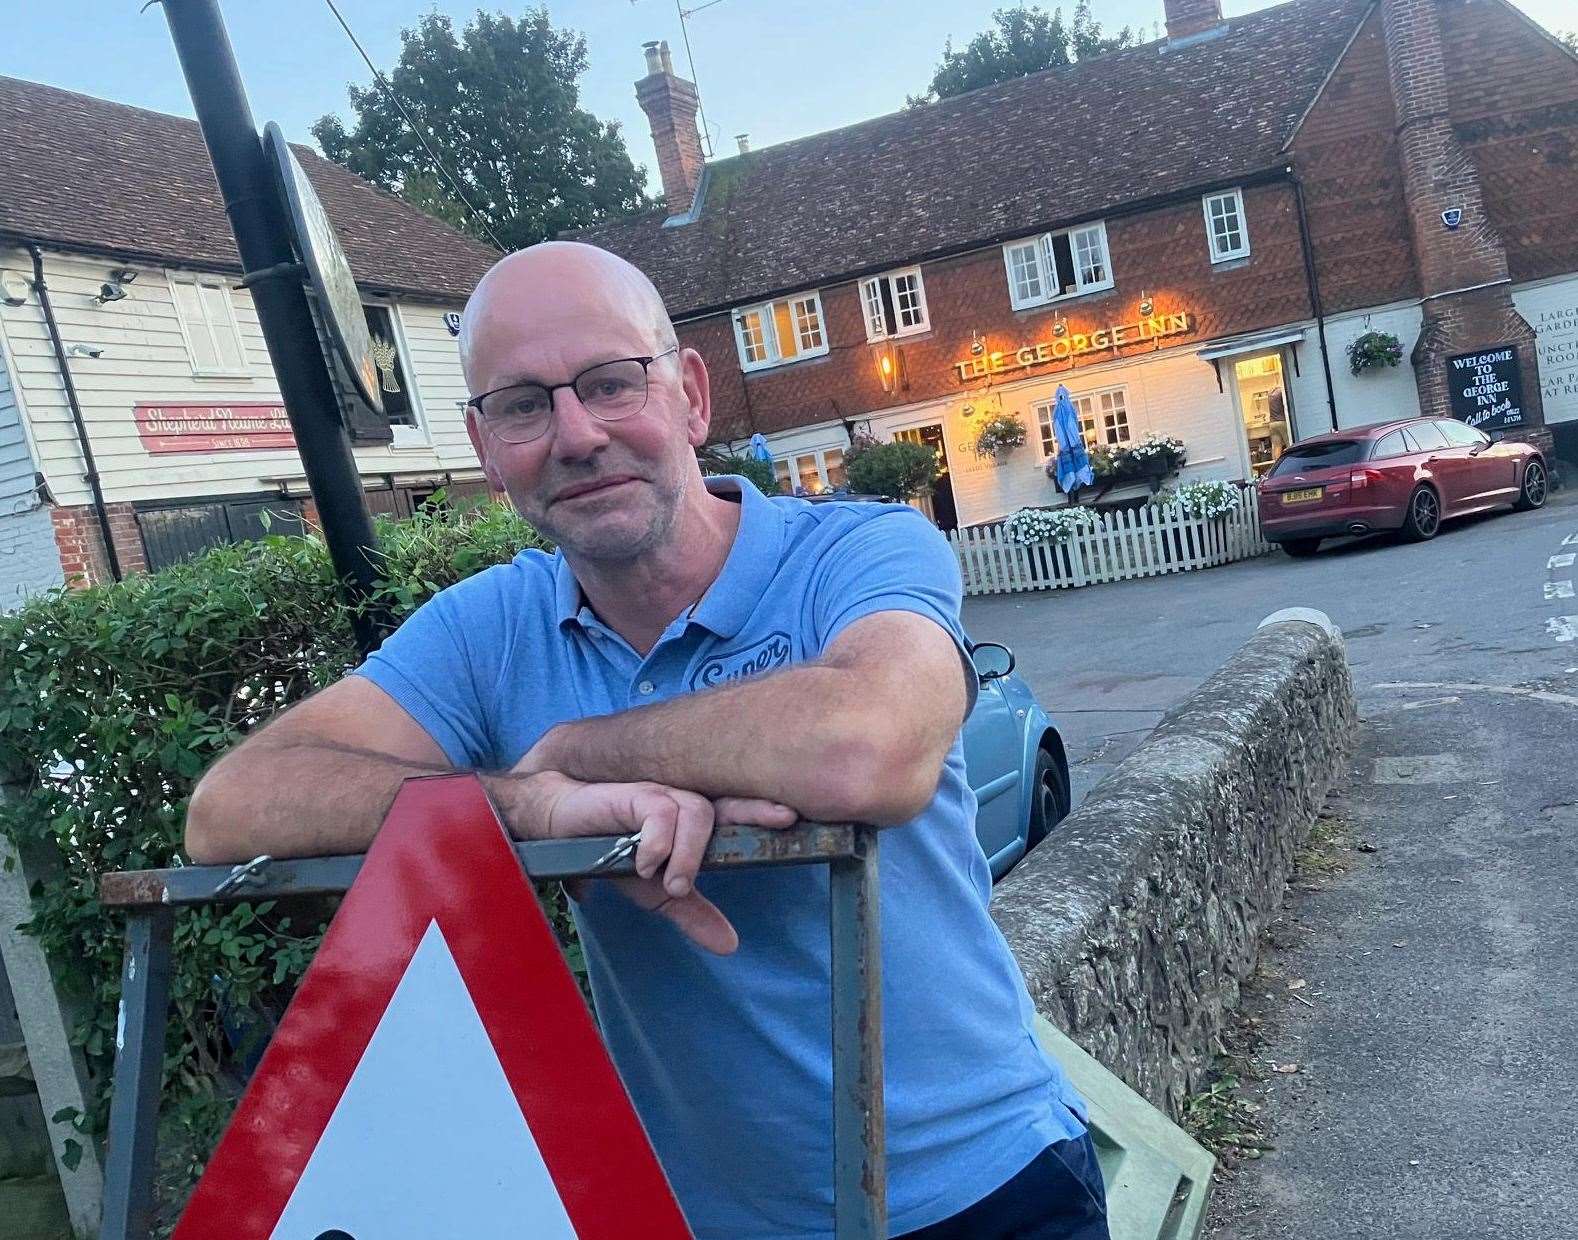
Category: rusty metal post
[139,1075]
[860,1181]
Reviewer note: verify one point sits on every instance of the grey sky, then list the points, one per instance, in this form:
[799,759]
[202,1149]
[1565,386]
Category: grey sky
[776,69]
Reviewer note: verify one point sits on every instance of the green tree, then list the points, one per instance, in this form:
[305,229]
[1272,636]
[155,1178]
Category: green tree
[1570,40]
[1026,39]
[499,102]
[719,460]
[898,470]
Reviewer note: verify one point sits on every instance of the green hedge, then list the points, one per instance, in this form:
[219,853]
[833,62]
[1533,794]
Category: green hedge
[113,701]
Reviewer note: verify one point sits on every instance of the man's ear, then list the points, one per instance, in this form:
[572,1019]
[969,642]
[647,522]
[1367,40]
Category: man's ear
[698,396]
[479,444]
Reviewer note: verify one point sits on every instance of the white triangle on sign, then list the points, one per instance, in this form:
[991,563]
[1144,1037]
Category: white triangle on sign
[428,1139]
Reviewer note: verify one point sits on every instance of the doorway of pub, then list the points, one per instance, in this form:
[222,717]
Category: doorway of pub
[1264,404]
[939,505]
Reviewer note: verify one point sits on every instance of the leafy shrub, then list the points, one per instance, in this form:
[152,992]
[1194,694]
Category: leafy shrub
[898,471]
[113,700]
[715,461]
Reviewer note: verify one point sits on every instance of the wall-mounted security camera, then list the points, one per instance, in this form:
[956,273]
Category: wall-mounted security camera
[85,350]
[109,293]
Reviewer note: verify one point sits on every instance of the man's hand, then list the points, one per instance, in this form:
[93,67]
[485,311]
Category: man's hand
[675,827]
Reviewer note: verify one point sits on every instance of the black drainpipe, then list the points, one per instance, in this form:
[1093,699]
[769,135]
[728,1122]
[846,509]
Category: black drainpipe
[1312,279]
[92,474]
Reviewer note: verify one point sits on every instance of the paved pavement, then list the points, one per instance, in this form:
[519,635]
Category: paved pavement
[1438,1095]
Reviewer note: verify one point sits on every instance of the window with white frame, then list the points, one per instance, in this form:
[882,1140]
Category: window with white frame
[1224,226]
[393,366]
[208,322]
[811,472]
[895,304]
[1103,419]
[1057,265]
[780,331]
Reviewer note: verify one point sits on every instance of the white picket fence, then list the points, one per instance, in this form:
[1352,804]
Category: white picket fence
[1119,545]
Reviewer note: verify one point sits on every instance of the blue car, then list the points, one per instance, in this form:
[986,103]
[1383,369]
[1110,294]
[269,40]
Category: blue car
[1015,762]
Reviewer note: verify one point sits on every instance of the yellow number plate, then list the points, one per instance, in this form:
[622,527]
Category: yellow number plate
[1302,497]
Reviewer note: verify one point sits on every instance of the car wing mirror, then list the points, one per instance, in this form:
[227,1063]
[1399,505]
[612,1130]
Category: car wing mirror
[992,661]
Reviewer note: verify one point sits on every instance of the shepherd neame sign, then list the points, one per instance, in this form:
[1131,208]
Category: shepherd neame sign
[1487,388]
[213,428]
[1074,344]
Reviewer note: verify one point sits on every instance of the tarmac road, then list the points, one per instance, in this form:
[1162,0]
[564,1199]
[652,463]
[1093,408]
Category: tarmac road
[1438,1087]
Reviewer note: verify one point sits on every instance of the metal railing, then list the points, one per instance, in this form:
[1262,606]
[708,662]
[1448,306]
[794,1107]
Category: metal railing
[150,898]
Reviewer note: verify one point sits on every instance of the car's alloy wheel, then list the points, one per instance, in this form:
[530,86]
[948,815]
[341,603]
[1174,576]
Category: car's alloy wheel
[1424,515]
[1536,486]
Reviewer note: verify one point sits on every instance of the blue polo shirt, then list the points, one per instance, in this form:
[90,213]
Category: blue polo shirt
[727,1058]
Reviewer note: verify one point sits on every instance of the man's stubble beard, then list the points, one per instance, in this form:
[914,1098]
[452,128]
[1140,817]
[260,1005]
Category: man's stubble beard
[599,540]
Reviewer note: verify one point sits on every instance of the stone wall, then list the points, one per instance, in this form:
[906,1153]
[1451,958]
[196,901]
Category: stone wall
[1136,921]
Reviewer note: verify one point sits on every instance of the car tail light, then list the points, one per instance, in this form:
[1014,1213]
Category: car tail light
[1363,477]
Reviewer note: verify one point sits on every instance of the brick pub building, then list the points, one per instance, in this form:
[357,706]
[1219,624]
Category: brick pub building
[1187,234]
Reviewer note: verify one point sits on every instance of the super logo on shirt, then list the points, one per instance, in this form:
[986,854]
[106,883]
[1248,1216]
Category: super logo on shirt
[757,659]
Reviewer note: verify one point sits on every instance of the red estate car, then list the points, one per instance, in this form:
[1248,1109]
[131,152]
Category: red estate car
[1407,475]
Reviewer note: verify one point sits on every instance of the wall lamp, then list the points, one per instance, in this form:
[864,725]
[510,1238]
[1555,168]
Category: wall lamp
[1147,306]
[977,345]
[890,368]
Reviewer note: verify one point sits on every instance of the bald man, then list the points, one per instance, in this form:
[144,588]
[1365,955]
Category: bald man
[695,654]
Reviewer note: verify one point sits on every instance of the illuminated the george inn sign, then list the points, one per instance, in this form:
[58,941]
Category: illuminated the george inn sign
[1076,343]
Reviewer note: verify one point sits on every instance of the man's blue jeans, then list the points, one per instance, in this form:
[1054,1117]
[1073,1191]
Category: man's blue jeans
[1059,1196]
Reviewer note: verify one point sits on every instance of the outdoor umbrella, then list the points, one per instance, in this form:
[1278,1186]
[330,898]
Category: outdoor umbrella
[759,448]
[1073,462]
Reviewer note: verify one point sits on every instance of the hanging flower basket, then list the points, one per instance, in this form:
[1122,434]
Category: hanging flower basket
[1374,349]
[998,434]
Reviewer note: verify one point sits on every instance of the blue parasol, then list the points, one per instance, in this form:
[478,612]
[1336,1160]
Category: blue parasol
[1073,461]
[759,448]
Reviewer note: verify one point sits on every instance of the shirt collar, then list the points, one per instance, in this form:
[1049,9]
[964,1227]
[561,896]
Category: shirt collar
[740,584]
[732,598]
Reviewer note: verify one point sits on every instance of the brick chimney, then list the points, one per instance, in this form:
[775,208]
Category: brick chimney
[670,104]
[1461,258]
[1187,17]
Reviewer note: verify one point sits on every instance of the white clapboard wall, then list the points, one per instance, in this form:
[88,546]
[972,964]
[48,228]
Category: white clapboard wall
[142,357]
[1119,545]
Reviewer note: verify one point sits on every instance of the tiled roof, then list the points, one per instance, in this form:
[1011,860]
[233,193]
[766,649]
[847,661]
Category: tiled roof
[85,174]
[1053,148]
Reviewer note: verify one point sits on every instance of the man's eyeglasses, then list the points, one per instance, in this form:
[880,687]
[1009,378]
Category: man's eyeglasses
[610,392]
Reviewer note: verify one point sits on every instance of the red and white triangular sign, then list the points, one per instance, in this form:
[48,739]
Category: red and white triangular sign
[437,1073]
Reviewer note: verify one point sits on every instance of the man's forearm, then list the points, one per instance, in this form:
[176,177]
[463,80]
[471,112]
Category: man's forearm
[300,799]
[813,737]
